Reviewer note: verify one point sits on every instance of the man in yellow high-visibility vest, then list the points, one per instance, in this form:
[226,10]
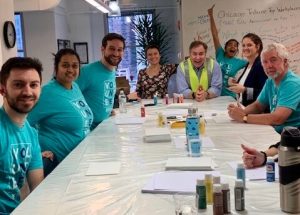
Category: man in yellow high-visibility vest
[199,77]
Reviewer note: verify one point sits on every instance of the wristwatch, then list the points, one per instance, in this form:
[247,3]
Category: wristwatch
[245,118]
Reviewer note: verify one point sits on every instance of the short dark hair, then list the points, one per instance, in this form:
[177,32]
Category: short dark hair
[151,46]
[112,36]
[197,43]
[61,53]
[19,63]
[256,40]
[231,40]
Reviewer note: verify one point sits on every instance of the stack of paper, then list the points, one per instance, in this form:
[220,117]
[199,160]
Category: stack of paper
[153,135]
[129,120]
[190,163]
[180,105]
[175,182]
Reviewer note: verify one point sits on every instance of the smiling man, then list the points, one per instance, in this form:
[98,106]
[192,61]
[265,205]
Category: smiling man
[19,148]
[97,80]
[281,93]
[199,77]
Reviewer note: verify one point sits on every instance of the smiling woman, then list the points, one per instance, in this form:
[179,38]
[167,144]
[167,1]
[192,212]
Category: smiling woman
[58,136]
[251,80]
[153,79]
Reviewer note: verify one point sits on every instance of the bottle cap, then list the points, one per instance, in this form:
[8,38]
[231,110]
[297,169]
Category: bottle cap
[290,137]
[192,111]
[240,166]
[217,188]
[270,160]
[208,176]
[216,179]
[239,183]
[225,186]
[200,182]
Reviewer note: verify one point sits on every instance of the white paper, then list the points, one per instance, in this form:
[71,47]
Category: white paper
[175,182]
[180,142]
[157,135]
[129,120]
[258,173]
[179,105]
[190,163]
[104,168]
[175,112]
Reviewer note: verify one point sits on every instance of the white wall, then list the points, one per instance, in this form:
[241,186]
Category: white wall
[86,25]
[61,21]
[72,20]
[6,14]
[40,39]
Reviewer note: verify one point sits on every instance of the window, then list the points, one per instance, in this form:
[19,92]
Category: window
[121,25]
[19,32]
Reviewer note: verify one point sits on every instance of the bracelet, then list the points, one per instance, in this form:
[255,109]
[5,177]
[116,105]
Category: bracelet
[265,158]
[275,145]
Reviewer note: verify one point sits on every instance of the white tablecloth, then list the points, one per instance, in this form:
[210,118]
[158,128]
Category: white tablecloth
[68,191]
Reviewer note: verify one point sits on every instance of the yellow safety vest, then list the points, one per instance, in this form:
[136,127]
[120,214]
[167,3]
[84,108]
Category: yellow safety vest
[191,75]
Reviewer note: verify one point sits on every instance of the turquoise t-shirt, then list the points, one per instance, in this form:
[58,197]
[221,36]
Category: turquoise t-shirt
[287,94]
[98,85]
[19,153]
[62,118]
[229,67]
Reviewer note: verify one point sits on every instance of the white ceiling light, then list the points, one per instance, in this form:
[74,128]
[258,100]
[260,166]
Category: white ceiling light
[100,5]
[115,9]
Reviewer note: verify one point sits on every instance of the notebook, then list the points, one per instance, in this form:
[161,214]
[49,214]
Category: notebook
[190,163]
[153,135]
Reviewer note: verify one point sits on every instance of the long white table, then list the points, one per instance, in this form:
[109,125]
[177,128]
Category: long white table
[68,191]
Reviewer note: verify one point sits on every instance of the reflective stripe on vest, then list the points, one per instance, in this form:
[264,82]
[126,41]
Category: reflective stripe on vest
[191,75]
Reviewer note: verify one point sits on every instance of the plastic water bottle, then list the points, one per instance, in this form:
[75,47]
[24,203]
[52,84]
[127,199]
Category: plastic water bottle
[192,125]
[122,102]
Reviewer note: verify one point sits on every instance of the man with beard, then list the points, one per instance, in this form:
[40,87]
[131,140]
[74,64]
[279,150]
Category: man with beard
[97,80]
[199,77]
[280,93]
[19,148]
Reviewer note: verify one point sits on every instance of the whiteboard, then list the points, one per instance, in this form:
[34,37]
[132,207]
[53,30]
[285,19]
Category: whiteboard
[272,20]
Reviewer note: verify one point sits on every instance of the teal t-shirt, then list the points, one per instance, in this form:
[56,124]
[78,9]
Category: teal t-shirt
[229,67]
[19,153]
[98,85]
[287,94]
[62,118]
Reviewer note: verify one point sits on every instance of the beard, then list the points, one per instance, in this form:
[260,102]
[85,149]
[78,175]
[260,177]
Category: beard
[109,59]
[19,106]
[274,76]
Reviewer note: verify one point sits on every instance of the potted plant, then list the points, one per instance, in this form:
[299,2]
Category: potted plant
[150,30]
